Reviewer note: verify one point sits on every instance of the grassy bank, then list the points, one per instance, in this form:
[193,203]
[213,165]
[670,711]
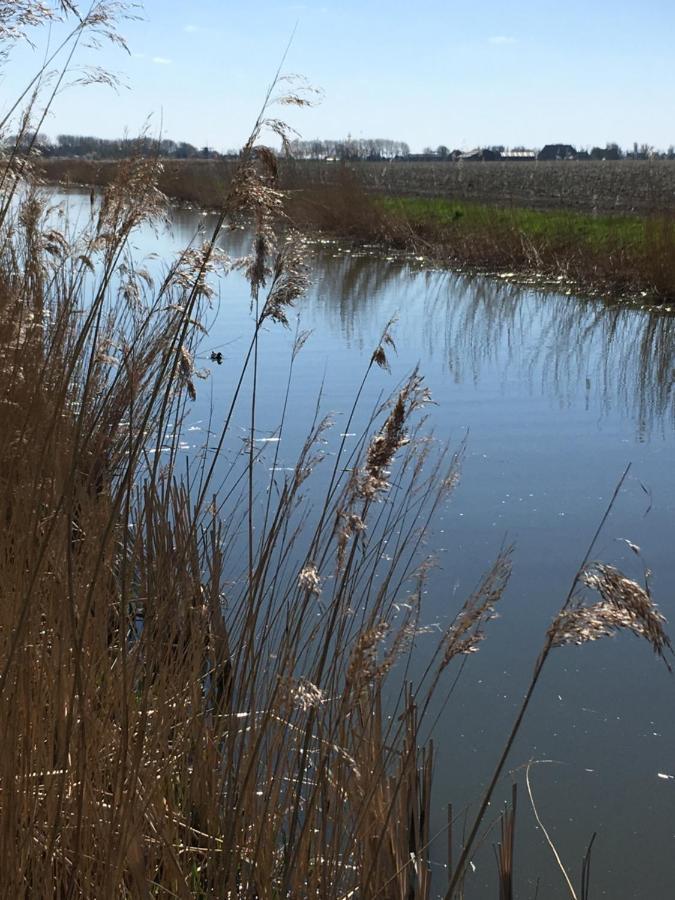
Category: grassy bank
[624,256]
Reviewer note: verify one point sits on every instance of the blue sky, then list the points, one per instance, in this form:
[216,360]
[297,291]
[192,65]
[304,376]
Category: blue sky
[427,72]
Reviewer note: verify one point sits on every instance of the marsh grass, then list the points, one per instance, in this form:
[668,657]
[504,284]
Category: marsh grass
[629,256]
[199,182]
[192,683]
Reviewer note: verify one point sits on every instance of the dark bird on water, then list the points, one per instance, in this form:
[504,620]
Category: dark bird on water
[217,357]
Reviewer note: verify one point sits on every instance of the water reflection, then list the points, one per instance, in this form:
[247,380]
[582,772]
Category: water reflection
[622,356]
[614,355]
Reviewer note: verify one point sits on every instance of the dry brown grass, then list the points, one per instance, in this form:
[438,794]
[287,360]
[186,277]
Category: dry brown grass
[176,721]
[200,182]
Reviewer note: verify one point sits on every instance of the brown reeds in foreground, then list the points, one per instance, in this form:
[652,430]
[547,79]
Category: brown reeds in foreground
[177,722]
[174,721]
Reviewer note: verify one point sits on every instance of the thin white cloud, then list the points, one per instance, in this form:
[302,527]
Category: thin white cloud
[502,39]
[204,30]
[161,60]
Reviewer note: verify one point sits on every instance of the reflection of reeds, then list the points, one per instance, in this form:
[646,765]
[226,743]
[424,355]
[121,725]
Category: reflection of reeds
[626,353]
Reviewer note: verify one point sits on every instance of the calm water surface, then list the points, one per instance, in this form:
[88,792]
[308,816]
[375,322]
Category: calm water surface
[555,397]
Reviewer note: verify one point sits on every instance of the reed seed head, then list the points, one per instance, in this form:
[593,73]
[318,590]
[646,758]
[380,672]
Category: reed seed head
[624,605]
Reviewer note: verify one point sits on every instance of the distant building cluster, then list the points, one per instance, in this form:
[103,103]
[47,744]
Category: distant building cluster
[548,153]
[381,150]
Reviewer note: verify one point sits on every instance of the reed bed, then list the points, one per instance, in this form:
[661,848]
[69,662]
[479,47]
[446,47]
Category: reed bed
[178,720]
[175,722]
[203,682]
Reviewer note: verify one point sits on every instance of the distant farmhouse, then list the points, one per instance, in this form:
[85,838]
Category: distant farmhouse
[520,154]
[557,151]
[480,155]
[492,154]
[611,152]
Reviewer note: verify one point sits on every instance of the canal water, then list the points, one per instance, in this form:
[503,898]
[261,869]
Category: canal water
[553,396]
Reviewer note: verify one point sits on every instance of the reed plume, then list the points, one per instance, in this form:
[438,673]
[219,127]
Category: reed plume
[625,605]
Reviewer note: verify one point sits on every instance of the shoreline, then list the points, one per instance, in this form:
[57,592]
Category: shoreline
[621,258]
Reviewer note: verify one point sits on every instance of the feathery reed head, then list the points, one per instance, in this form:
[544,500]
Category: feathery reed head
[392,436]
[468,629]
[624,605]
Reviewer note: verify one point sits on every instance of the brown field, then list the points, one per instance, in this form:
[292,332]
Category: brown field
[628,186]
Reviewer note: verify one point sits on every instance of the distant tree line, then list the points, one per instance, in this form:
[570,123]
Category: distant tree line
[375,149]
[89,147]
[350,148]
